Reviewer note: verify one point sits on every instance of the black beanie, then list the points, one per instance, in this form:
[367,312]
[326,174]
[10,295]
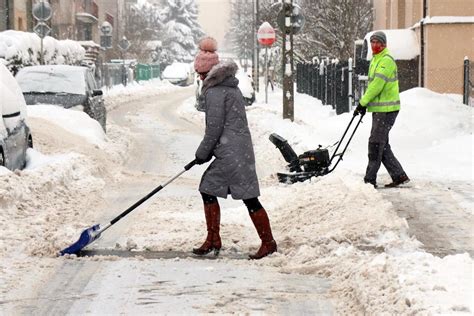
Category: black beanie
[379,36]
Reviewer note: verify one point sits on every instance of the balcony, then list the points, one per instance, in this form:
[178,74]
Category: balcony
[87,12]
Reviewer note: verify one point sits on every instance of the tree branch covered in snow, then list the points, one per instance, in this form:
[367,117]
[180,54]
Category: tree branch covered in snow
[331,26]
[143,25]
[20,49]
[335,25]
[171,22]
[181,30]
[239,39]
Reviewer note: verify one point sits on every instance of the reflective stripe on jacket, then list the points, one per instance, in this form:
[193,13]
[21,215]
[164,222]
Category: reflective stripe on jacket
[382,93]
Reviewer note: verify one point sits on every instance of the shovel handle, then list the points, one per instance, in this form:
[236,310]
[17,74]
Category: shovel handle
[190,165]
[149,195]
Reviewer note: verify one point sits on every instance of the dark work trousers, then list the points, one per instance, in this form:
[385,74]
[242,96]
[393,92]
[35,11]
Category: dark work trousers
[379,148]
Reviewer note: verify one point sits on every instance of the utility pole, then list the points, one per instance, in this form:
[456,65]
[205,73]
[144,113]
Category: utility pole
[256,51]
[287,62]
[422,44]
[257,21]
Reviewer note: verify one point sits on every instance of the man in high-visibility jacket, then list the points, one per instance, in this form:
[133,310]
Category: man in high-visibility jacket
[383,100]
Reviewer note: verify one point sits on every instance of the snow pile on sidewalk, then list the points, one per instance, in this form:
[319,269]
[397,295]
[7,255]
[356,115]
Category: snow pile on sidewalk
[338,227]
[45,205]
[334,226]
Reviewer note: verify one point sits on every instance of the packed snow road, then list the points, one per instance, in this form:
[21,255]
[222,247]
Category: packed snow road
[436,215]
[343,247]
[156,280]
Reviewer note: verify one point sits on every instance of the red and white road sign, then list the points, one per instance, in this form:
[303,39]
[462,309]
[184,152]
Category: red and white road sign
[266,34]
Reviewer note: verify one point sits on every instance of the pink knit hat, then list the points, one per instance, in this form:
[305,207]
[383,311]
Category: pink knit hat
[207,56]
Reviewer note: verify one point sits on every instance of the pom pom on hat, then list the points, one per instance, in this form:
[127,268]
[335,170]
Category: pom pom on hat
[208,44]
[207,56]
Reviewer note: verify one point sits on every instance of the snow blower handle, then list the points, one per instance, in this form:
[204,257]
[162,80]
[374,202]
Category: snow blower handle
[347,144]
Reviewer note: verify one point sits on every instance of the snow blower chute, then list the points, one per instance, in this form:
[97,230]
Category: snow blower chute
[312,163]
[92,233]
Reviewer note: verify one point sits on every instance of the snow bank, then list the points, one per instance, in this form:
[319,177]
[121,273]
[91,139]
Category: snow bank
[334,226]
[338,227]
[45,205]
[74,121]
[136,90]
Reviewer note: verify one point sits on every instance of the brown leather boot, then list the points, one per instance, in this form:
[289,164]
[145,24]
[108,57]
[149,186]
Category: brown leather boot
[213,239]
[262,224]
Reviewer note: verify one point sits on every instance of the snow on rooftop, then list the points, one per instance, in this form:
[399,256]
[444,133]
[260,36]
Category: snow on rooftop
[448,19]
[403,44]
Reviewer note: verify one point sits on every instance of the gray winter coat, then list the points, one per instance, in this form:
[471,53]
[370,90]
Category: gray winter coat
[227,137]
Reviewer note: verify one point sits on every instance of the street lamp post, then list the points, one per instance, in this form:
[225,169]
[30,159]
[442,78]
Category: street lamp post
[124,44]
[42,12]
[256,47]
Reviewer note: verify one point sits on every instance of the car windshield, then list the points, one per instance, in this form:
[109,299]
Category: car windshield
[52,80]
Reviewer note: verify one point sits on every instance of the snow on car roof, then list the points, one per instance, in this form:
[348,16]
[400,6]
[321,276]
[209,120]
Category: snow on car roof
[176,70]
[52,78]
[56,68]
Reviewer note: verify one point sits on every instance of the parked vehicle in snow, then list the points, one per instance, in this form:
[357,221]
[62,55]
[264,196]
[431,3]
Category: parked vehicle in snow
[245,86]
[181,74]
[68,86]
[15,135]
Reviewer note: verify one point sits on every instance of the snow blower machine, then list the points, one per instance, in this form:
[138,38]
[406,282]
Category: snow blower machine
[312,163]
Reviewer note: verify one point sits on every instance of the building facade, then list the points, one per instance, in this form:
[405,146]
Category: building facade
[75,19]
[72,19]
[16,15]
[445,30]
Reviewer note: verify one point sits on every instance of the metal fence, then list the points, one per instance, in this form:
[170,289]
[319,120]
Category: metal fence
[113,74]
[329,81]
[342,84]
[468,83]
[146,72]
[118,73]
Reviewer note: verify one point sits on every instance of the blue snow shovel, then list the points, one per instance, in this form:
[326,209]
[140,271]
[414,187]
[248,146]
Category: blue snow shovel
[94,232]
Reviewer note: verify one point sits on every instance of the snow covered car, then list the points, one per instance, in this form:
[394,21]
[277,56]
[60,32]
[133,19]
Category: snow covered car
[15,135]
[68,86]
[245,86]
[180,74]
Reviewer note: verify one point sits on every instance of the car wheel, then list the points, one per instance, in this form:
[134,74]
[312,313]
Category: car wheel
[30,142]
[2,157]
[103,123]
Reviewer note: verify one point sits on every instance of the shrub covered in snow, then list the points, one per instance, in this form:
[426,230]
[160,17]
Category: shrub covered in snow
[20,49]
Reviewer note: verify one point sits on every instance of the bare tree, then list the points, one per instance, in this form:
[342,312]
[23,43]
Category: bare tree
[143,27]
[332,26]
[330,30]
[239,39]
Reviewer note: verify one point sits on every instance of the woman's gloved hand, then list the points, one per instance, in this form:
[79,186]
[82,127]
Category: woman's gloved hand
[201,161]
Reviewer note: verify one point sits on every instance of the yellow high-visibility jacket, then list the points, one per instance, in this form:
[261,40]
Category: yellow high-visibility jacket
[382,93]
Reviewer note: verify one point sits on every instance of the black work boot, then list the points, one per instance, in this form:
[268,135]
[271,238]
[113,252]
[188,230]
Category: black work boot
[373,182]
[403,179]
